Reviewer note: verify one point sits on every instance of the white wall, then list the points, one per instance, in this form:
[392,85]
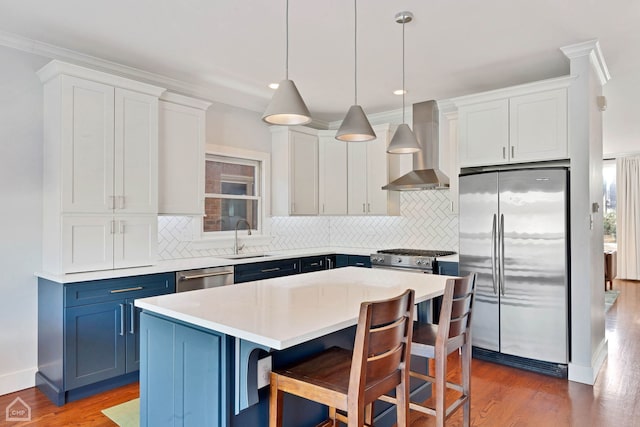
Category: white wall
[21,217]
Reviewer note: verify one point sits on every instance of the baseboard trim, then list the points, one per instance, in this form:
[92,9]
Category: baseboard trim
[588,374]
[16,381]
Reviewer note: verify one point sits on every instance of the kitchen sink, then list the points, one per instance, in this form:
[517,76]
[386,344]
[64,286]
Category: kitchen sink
[243,256]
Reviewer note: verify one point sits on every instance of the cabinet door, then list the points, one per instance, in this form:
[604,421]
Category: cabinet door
[357,178]
[132,333]
[135,241]
[94,343]
[87,243]
[87,146]
[377,176]
[303,185]
[333,176]
[538,126]
[484,133]
[172,386]
[136,152]
[181,160]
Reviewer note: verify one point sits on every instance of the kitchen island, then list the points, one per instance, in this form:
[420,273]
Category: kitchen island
[199,350]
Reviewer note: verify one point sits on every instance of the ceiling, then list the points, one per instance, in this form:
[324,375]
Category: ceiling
[233,49]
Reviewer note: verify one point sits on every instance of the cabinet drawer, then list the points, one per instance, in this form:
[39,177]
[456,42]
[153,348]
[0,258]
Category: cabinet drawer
[313,263]
[117,289]
[266,270]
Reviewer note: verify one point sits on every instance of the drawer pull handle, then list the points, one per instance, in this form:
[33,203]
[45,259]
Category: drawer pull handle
[132,326]
[121,320]
[314,264]
[359,264]
[118,291]
[269,270]
[200,276]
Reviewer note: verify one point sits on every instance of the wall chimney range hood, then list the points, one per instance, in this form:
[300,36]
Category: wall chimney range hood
[425,174]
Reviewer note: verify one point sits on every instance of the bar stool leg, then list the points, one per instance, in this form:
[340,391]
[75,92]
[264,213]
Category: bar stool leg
[466,382]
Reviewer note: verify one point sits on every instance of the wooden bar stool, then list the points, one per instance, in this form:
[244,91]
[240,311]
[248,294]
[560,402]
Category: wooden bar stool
[351,380]
[452,332]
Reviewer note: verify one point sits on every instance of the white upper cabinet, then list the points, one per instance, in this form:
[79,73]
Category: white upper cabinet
[484,133]
[87,142]
[332,162]
[181,155]
[294,165]
[136,152]
[527,124]
[538,126]
[100,170]
[369,169]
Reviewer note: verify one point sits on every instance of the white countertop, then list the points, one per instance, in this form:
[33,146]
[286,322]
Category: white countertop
[286,311]
[196,263]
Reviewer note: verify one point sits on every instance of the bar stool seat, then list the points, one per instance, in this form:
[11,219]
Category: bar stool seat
[351,381]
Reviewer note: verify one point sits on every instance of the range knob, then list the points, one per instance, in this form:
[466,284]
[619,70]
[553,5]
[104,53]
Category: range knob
[399,260]
[418,261]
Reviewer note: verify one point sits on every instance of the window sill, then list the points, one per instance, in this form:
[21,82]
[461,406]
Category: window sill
[226,242]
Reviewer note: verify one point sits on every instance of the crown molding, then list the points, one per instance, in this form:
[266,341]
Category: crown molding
[507,92]
[187,101]
[56,67]
[592,49]
[238,96]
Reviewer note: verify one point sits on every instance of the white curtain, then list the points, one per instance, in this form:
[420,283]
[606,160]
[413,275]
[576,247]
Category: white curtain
[628,217]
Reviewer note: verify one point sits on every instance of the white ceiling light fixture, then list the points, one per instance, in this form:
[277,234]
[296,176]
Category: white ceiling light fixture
[403,141]
[287,108]
[355,126]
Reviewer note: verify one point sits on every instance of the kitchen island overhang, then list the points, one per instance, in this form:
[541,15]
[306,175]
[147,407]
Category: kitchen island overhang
[229,326]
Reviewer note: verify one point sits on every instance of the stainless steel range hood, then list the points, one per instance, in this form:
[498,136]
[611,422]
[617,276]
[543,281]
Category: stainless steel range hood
[425,174]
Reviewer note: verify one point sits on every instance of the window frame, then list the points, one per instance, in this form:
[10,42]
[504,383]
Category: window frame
[260,234]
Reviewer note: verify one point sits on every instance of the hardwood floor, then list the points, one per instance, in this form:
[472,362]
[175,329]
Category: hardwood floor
[501,396]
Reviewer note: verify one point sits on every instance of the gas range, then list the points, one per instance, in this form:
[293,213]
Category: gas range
[419,260]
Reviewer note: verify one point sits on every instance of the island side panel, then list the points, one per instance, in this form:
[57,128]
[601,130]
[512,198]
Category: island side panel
[183,375]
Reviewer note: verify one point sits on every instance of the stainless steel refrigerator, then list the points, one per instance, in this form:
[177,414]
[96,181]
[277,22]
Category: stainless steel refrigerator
[514,234]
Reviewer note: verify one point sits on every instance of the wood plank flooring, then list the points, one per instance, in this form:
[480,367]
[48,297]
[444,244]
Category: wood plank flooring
[501,396]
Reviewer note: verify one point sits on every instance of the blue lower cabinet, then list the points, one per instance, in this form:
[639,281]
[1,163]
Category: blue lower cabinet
[265,270]
[95,343]
[353,261]
[447,268]
[181,377]
[88,334]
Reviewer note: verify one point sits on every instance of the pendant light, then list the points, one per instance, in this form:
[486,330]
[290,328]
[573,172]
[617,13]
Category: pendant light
[355,126]
[403,141]
[287,106]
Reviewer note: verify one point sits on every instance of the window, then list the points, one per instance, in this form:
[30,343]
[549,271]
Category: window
[232,193]
[609,202]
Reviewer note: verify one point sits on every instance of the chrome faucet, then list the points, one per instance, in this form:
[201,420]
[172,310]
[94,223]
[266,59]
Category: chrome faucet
[235,242]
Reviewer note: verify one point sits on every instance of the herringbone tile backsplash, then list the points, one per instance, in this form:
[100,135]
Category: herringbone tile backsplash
[425,223]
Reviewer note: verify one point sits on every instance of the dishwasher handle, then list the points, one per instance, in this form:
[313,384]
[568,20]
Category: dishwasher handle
[203,275]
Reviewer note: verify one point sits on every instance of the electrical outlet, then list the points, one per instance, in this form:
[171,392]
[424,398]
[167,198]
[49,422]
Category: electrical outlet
[264,371]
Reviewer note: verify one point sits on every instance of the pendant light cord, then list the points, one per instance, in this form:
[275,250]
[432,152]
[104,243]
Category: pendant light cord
[403,91]
[355,49]
[286,55]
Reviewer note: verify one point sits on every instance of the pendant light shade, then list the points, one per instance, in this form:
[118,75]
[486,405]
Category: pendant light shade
[287,106]
[355,126]
[404,140]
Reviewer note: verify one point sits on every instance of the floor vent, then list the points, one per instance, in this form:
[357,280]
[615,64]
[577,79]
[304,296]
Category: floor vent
[557,370]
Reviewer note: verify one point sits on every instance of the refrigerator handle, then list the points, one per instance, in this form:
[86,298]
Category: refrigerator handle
[494,244]
[501,265]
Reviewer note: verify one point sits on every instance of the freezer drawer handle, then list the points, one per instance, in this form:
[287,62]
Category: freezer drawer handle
[494,244]
[200,276]
[119,291]
[269,270]
[503,288]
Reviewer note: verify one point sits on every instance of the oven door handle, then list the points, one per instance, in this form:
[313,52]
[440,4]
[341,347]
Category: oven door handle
[410,270]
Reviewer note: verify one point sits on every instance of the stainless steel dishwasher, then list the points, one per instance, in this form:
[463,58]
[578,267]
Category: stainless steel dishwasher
[204,278]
